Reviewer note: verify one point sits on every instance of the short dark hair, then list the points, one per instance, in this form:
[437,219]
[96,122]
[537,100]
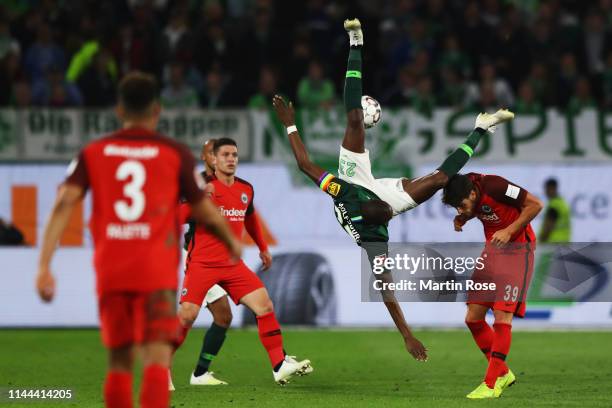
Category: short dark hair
[456,190]
[137,91]
[376,212]
[224,141]
[551,182]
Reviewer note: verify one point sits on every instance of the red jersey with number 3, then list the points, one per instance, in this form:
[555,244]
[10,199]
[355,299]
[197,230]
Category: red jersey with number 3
[137,178]
[500,205]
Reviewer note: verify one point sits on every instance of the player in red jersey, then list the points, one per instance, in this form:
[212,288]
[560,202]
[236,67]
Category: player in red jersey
[215,299]
[505,210]
[209,263]
[137,178]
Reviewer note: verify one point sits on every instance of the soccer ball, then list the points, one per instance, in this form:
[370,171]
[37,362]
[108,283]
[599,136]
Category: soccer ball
[371,111]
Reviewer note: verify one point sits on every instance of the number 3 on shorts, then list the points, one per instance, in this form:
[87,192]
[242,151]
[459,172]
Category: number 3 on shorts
[349,166]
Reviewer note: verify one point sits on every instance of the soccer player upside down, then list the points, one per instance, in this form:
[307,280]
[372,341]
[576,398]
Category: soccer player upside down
[364,205]
[209,263]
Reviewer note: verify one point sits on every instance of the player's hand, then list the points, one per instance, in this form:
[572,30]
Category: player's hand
[284,111]
[266,260]
[501,237]
[45,284]
[416,348]
[235,250]
[459,222]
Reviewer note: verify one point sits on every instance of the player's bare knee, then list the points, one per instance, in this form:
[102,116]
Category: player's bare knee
[187,315]
[265,307]
[121,358]
[223,318]
[502,317]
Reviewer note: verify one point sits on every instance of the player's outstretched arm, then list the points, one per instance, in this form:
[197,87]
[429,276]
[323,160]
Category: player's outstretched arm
[67,197]
[413,345]
[204,212]
[286,114]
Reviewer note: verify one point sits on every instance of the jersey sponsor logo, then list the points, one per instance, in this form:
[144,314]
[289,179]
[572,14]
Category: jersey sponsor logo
[145,152]
[244,198]
[130,231]
[334,188]
[489,217]
[513,191]
[345,222]
[233,214]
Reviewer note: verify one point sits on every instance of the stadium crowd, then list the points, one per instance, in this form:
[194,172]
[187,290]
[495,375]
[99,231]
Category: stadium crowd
[524,54]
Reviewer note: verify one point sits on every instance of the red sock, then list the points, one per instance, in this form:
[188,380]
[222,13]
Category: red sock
[118,389]
[501,346]
[179,342]
[154,390]
[483,336]
[271,338]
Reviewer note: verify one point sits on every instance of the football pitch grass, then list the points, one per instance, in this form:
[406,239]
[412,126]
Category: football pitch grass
[352,369]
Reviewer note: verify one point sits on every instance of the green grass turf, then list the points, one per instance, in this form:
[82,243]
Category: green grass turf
[352,369]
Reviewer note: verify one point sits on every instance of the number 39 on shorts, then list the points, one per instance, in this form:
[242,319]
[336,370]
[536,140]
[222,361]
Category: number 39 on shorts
[511,293]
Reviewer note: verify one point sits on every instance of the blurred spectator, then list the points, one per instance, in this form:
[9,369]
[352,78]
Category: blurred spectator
[129,50]
[453,88]
[98,82]
[315,91]
[177,31]
[471,32]
[10,73]
[7,43]
[9,234]
[54,90]
[453,58]
[267,89]
[487,100]
[595,41]
[526,102]
[540,83]
[582,98]
[566,79]
[21,95]
[502,93]
[424,101]
[178,94]
[43,54]
[402,92]
[216,93]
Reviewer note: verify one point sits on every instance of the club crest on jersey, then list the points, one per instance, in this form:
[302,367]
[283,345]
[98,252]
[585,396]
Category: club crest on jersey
[333,188]
[486,209]
[184,291]
[244,198]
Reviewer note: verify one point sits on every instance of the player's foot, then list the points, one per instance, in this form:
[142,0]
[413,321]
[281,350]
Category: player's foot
[291,367]
[505,381]
[483,392]
[353,28]
[205,379]
[487,121]
[170,385]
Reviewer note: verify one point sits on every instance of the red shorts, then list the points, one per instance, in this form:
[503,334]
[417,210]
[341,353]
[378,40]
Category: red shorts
[237,280]
[511,271]
[138,317]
